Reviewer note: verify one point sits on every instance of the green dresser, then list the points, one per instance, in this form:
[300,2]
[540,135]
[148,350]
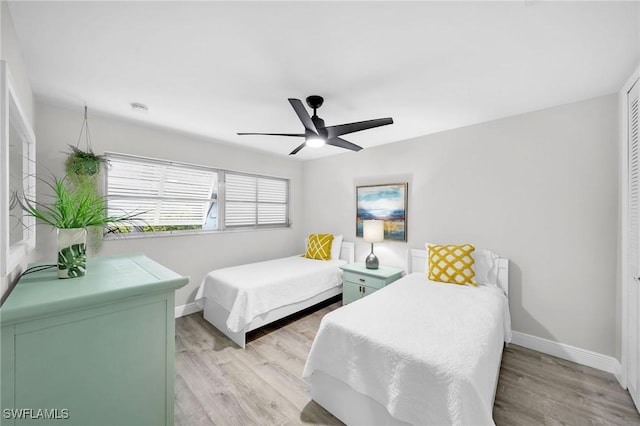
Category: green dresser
[95,350]
[358,281]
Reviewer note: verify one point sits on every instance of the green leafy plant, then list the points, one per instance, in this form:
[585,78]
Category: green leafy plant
[81,163]
[77,207]
[83,170]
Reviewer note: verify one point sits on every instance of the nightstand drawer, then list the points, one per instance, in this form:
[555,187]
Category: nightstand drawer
[359,279]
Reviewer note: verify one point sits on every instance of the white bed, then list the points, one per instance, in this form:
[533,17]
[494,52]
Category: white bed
[242,298]
[414,352]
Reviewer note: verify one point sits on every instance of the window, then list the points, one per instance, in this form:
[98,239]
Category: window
[171,197]
[255,200]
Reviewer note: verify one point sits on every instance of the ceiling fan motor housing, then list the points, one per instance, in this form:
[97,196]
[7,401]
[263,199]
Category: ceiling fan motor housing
[315,101]
[319,123]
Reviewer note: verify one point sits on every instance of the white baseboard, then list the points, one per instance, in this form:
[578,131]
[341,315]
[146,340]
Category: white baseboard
[568,352]
[187,309]
[618,374]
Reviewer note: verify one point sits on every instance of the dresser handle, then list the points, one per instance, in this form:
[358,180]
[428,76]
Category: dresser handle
[361,280]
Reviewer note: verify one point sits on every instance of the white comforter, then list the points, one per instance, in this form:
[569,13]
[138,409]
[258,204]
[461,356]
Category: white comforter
[428,352]
[250,290]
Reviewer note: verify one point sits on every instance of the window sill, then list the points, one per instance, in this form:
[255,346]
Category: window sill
[138,235]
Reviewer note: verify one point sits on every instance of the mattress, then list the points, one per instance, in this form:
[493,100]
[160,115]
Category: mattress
[247,291]
[428,352]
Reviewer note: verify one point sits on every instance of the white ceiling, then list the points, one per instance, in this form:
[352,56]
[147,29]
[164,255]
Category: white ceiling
[217,68]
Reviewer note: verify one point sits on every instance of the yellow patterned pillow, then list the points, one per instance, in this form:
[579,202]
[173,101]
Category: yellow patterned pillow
[452,264]
[319,246]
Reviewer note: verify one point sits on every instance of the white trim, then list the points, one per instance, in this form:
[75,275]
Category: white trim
[568,352]
[12,113]
[618,373]
[623,185]
[187,309]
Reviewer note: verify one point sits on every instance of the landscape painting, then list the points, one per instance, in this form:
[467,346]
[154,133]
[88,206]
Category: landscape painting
[383,202]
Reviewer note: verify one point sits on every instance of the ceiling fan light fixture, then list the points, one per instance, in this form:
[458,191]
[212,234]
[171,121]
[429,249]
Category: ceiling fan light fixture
[317,134]
[315,142]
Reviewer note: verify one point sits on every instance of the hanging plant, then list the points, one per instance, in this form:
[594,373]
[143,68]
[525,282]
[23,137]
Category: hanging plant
[83,163]
[83,169]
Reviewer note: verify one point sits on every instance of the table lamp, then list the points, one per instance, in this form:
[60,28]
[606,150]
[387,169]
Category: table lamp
[372,232]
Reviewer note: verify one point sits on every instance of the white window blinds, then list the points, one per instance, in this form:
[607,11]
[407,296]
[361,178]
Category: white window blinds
[255,200]
[163,193]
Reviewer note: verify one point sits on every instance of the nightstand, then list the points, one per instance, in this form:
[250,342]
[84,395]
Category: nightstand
[358,281]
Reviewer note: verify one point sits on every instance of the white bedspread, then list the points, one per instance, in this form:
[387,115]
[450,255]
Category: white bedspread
[247,291]
[428,352]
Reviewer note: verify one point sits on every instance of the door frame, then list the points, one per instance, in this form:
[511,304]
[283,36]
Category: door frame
[624,222]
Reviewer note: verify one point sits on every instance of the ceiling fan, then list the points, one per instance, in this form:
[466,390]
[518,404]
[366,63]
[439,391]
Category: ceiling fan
[317,134]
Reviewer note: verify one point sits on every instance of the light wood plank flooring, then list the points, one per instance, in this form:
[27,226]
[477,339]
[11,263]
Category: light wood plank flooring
[219,384]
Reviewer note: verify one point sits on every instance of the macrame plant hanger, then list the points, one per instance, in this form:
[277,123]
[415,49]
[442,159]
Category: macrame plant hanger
[85,129]
[82,164]
[83,168]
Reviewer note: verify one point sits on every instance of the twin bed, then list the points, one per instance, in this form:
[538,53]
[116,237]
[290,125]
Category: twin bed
[242,298]
[414,352]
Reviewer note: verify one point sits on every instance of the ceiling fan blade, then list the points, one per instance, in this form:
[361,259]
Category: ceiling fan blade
[343,129]
[343,144]
[295,151]
[275,134]
[303,115]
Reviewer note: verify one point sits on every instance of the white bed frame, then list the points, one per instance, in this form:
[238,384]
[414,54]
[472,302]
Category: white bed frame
[218,315]
[355,408]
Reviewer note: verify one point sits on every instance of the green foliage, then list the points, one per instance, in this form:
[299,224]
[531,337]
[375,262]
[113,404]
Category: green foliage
[83,170]
[156,228]
[82,163]
[77,207]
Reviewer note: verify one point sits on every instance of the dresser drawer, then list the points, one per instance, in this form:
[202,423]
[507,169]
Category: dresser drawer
[363,280]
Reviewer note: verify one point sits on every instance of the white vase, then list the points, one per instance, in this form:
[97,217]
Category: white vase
[72,252]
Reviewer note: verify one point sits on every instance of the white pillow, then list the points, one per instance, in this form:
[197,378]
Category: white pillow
[336,245]
[485,266]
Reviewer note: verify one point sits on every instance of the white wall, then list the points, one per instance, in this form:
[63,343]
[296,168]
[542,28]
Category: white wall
[10,53]
[540,189]
[193,255]
[13,56]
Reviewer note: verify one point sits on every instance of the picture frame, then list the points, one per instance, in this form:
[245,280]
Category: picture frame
[386,202]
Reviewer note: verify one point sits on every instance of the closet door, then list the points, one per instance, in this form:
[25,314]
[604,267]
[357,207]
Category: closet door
[631,297]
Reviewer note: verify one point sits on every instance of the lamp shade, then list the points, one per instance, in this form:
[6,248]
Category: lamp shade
[373,231]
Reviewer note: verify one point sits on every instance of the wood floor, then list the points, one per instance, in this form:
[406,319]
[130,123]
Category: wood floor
[218,383]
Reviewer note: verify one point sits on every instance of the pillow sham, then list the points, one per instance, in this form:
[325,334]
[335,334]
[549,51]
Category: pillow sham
[336,246]
[486,267]
[319,246]
[451,264]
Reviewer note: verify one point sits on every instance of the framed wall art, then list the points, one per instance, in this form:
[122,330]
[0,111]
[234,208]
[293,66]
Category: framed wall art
[383,202]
